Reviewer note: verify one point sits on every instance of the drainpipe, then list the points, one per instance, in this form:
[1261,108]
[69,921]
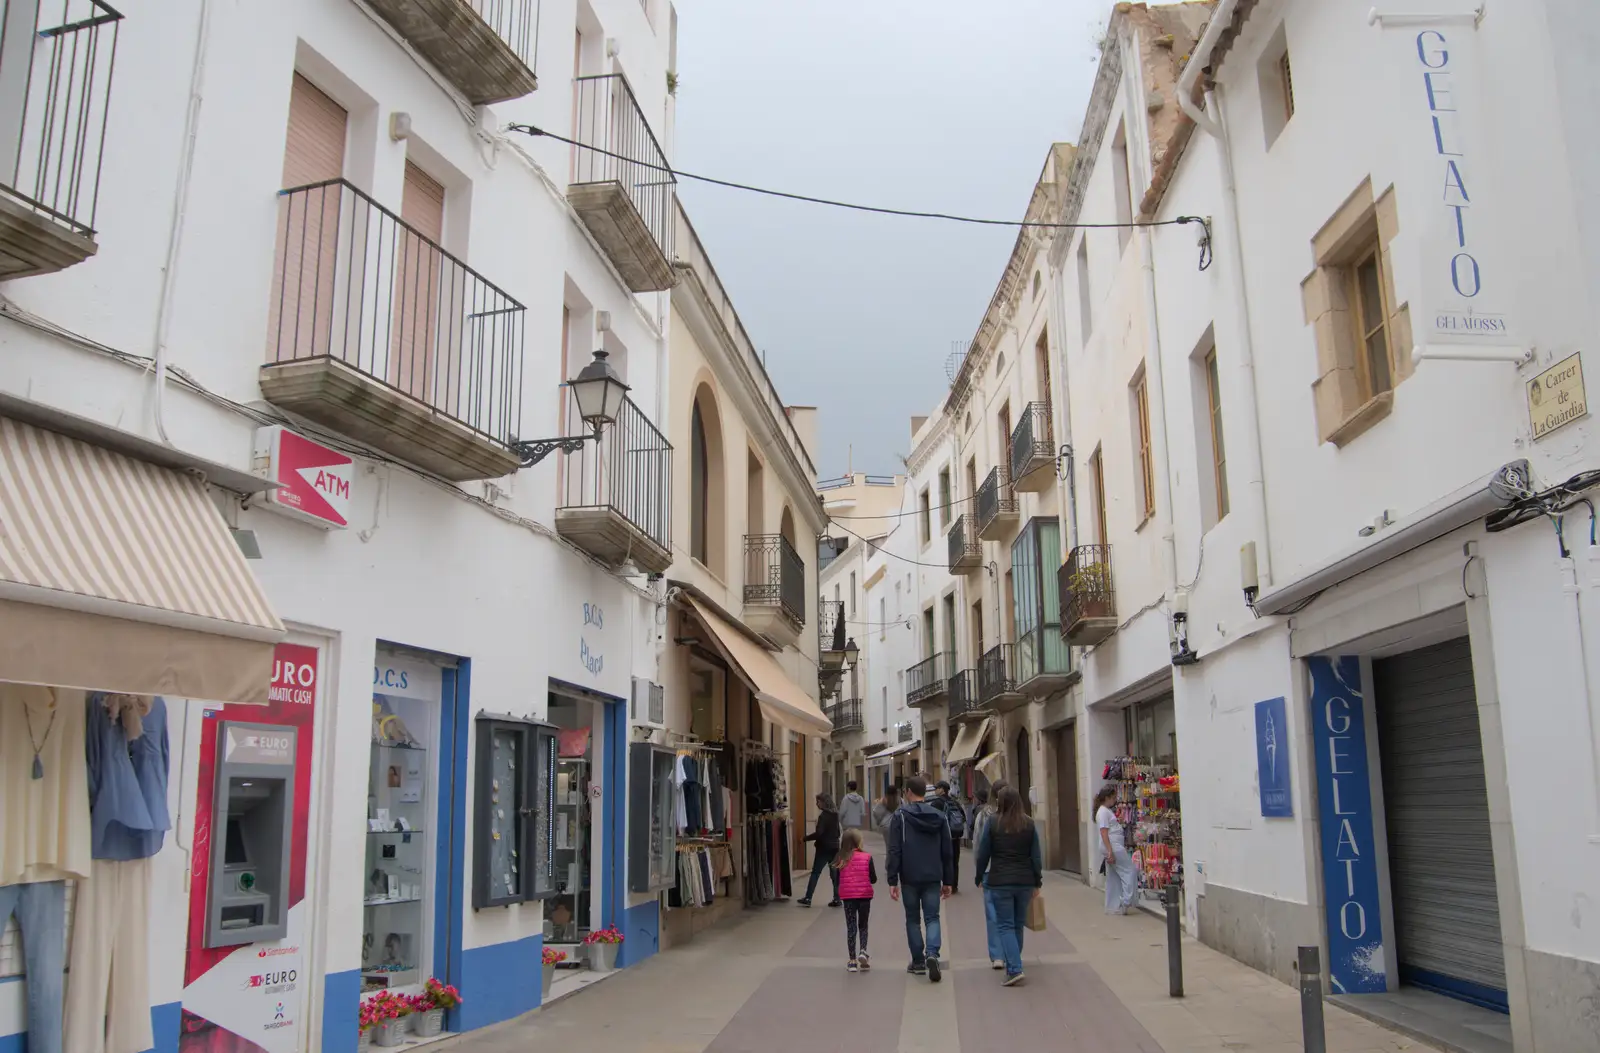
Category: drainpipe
[1255,477]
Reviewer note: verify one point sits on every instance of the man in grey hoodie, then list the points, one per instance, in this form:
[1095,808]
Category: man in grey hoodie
[852,808]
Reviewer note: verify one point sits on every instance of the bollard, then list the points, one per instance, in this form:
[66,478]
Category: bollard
[1310,968]
[1174,943]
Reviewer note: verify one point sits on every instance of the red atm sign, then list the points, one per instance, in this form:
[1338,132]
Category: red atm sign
[314,481]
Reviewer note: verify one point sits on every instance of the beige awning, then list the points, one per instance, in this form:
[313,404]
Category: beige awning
[969,742]
[782,700]
[993,765]
[894,751]
[118,575]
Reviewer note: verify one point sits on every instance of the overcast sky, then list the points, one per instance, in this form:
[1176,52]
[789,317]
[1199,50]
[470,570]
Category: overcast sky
[936,105]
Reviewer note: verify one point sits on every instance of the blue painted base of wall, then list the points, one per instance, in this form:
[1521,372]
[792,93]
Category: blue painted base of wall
[165,1021]
[641,933]
[341,1008]
[498,982]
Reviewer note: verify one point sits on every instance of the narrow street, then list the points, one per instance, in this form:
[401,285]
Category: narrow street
[774,980]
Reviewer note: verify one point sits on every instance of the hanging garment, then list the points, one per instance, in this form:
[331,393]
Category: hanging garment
[719,815]
[127,780]
[784,870]
[41,910]
[702,862]
[693,794]
[108,992]
[44,821]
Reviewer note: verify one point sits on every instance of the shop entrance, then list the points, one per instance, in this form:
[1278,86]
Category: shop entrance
[574,911]
[1068,853]
[1436,808]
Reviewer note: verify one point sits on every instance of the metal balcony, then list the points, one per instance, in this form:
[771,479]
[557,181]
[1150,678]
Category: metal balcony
[621,186]
[616,492]
[928,680]
[966,551]
[376,332]
[997,506]
[964,701]
[1088,600]
[774,588]
[56,62]
[846,716]
[1033,451]
[903,731]
[482,47]
[997,678]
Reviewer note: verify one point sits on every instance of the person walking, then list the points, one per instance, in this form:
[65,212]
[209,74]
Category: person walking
[981,818]
[826,837]
[955,818]
[884,808]
[919,853]
[858,872]
[1011,868]
[1121,882]
[852,808]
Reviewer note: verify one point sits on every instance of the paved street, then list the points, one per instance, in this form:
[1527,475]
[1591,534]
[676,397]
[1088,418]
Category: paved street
[774,980]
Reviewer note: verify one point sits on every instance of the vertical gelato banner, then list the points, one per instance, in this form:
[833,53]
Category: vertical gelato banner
[249,999]
[1466,275]
[1349,849]
[1272,759]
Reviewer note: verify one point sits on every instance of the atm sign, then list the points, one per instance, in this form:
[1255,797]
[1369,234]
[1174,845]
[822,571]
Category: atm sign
[314,482]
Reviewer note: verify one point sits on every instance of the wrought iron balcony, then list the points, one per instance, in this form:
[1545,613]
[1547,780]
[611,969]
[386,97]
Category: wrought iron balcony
[997,506]
[774,588]
[846,716]
[1033,450]
[928,680]
[831,634]
[1088,600]
[616,492]
[903,731]
[379,333]
[997,677]
[966,551]
[964,700]
[56,62]
[483,47]
[622,187]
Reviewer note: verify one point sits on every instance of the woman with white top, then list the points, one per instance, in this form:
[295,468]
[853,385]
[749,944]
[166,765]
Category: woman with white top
[1121,882]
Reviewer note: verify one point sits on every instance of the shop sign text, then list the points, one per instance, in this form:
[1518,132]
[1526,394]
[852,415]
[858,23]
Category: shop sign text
[1556,397]
[593,617]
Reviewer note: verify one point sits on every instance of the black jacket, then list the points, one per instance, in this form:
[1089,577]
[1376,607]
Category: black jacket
[920,852]
[826,835]
[1007,860]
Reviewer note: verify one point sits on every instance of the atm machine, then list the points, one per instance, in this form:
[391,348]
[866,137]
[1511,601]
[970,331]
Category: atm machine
[252,817]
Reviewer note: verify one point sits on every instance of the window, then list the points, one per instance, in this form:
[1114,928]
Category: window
[946,515]
[852,593]
[1371,319]
[926,519]
[699,486]
[1038,284]
[1219,458]
[883,618]
[972,477]
[1005,437]
[999,363]
[950,647]
[514,854]
[1097,478]
[1122,176]
[1085,319]
[929,639]
[1276,82]
[1146,454]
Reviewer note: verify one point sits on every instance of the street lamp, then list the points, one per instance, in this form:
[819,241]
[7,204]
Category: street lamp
[599,392]
[851,652]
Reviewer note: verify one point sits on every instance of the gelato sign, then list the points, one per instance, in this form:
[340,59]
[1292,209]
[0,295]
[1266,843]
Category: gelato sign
[1556,397]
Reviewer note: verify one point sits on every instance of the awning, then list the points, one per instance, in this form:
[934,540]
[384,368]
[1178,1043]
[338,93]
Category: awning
[782,700]
[894,751]
[993,765]
[118,575]
[969,742]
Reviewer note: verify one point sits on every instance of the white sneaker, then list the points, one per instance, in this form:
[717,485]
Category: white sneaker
[996,963]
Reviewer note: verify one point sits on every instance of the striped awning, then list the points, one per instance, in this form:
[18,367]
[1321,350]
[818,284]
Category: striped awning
[119,575]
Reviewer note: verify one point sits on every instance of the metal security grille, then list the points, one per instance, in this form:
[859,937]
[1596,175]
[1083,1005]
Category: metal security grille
[1441,861]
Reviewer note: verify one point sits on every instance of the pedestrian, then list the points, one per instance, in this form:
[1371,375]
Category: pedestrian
[884,808]
[826,838]
[852,808]
[1011,867]
[981,818]
[956,819]
[858,872]
[919,853]
[1121,883]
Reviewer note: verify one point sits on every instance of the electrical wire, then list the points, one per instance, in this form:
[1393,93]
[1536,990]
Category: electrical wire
[678,173]
[907,515]
[896,555]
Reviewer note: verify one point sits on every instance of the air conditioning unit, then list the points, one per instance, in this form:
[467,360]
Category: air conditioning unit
[649,704]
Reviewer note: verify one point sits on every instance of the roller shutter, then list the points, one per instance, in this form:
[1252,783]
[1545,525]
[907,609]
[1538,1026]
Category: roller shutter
[1441,861]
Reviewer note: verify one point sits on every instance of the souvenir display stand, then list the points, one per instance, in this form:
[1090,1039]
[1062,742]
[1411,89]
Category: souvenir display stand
[1148,808]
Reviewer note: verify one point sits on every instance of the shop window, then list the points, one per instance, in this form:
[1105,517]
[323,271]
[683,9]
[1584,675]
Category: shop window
[398,875]
[514,815]
[1153,731]
[572,910]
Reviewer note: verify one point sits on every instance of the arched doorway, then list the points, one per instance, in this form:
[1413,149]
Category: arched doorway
[1024,769]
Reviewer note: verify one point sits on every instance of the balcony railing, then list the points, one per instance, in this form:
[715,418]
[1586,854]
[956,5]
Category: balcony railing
[964,698]
[621,485]
[831,635]
[378,332]
[774,576]
[1088,599]
[846,715]
[621,183]
[997,505]
[997,674]
[484,47]
[56,64]
[928,679]
[903,732]
[1033,453]
[966,551]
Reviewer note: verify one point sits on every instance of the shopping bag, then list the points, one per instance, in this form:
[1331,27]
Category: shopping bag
[1036,913]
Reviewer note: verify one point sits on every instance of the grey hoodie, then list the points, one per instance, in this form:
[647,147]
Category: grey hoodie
[853,812]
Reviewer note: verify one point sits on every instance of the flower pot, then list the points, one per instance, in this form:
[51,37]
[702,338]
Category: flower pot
[365,1040]
[389,1033]
[428,1023]
[549,978]
[602,957]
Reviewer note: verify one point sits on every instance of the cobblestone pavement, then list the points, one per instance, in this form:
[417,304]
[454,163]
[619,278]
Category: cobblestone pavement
[773,979]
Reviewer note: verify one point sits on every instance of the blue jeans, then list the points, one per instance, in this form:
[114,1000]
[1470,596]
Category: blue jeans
[824,857]
[922,908]
[1010,905]
[41,910]
[991,928]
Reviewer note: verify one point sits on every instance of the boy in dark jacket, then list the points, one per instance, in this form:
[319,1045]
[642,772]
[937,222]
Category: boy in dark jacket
[920,854]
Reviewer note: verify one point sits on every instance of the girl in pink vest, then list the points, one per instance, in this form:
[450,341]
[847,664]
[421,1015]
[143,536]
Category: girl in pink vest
[858,872]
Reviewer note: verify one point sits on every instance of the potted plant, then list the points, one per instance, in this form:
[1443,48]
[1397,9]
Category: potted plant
[601,946]
[366,1020]
[428,1008]
[387,1011]
[552,958]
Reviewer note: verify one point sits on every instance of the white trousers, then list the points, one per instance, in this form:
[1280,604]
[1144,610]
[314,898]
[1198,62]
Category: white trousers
[108,990]
[1122,884]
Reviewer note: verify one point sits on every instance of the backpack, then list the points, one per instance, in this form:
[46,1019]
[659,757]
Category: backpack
[957,818]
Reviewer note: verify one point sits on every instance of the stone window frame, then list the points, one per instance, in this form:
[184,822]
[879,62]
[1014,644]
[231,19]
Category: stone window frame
[1361,225]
